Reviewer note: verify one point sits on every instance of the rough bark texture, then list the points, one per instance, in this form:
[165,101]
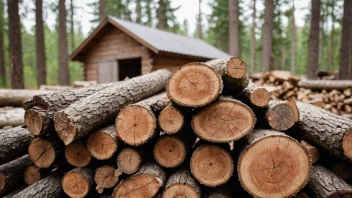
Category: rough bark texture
[281,115]
[181,183]
[78,182]
[103,144]
[2,52]
[234,45]
[64,74]
[267,35]
[10,97]
[161,15]
[324,183]
[14,143]
[255,96]
[40,47]
[326,84]
[313,53]
[11,117]
[171,119]
[80,118]
[253,39]
[344,71]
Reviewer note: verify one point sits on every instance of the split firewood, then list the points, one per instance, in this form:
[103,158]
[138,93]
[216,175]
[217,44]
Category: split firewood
[129,160]
[171,119]
[39,121]
[15,97]
[273,156]
[312,150]
[78,182]
[255,96]
[194,85]
[137,123]
[281,115]
[11,117]
[77,154]
[104,177]
[33,174]
[44,152]
[90,113]
[103,143]
[326,84]
[14,143]
[181,184]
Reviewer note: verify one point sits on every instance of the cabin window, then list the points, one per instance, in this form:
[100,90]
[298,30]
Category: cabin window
[129,68]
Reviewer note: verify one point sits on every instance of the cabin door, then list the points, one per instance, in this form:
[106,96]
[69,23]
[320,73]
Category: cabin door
[108,71]
[129,68]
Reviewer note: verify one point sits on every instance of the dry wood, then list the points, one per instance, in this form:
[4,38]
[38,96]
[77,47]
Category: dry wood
[14,192]
[44,152]
[171,119]
[78,182]
[342,169]
[33,174]
[326,84]
[105,177]
[281,115]
[103,143]
[128,161]
[273,165]
[312,150]
[79,84]
[14,143]
[194,85]
[10,116]
[39,121]
[181,184]
[77,154]
[11,173]
[54,87]
[137,123]
[255,96]
[15,97]
[146,183]
[81,118]
[224,121]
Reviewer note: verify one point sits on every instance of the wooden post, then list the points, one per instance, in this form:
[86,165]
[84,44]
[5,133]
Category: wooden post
[78,182]
[105,177]
[171,119]
[181,184]
[103,143]
[77,154]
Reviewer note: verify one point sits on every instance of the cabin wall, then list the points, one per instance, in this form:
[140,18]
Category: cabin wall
[172,62]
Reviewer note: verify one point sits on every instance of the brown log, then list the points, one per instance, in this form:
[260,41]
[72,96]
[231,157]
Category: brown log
[342,169]
[324,183]
[39,121]
[128,161]
[233,72]
[33,174]
[44,152]
[194,85]
[171,119]
[214,158]
[76,122]
[78,182]
[224,121]
[11,97]
[181,184]
[319,126]
[281,115]
[137,123]
[104,177]
[77,154]
[11,117]
[11,173]
[326,84]
[254,96]
[312,150]
[145,183]
[273,165]
[103,143]
[14,143]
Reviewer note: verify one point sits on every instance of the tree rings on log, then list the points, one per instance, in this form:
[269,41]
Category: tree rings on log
[31,175]
[128,161]
[347,144]
[77,182]
[224,121]
[282,115]
[194,85]
[169,151]
[103,143]
[104,177]
[77,154]
[42,153]
[211,165]
[236,68]
[170,120]
[34,120]
[181,184]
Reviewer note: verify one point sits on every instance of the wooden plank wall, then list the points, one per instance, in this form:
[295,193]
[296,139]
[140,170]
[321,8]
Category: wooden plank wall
[172,62]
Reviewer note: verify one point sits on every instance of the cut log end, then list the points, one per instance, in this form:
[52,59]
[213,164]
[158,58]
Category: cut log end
[104,177]
[128,161]
[142,185]
[211,165]
[236,68]
[170,120]
[281,117]
[260,97]
[135,125]
[101,145]
[194,85]
[169,151]
[64,127]
[224,121]
[313,151]
[42,153]
[31,175]
[180,190]
[347,144]
[75,185]
[34,121]
[274,166]
[77,154]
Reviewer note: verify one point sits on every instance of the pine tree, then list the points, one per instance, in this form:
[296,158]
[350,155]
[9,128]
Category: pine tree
[40,46]
[234,48]
[313,54]
[344,72]
[2,53]
[267,36]
[253,39]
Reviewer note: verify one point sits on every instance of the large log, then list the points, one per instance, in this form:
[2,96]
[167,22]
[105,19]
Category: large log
[194,85]
[11,117]
[171,119]
[137,123]
[78,182]
[90,113]
[44,152]
[255,96]
[15,97]
[181,184]
[14,143]
[129,160]
[326,130]
[273,165]
[326,84]
[104,177]
[281,115]
[11,173]
[103,143]
[77,154]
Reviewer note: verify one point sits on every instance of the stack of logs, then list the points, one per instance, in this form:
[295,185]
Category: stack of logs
[210,133]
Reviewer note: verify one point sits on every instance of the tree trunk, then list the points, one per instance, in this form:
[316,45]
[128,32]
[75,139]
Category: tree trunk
[171,119]
[267,35]
[15,45]
[2,53]
[332,40]
[78,182]
[11,117]
[283,57]
[312,150]
[75,122]
[345,40]
[253,39]
[64,74]
[293,40]
[161,15]
[40,47]
[234,48]
[182,184]
[129,160]
[143,128]
[313,53]
[102,10]
[317,125]
[11,173]
[33,174]
[199,21]
[276,157]
[103,144]
[44,152]
[139,11]
[10,97]
[77,154]
[72,24]
[104,177]
[281,115]
[255,96]
[14,143]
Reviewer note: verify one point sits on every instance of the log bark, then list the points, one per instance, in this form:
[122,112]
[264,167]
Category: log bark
[11,173]
[273,157]
[255,96]
[32,174]
[281,115]
[44,152]
[171,119]
[342,169]
[14,143]
[11,117]
[330,132]
[181,184]
[223,121]
[77,120]
[145,183]
[129,160]
[137,123]
[104,177]
[10,97]
[103,144]
[312,150]
[77,154]
[194,85]
[78,182]
[324,183]
[326,84]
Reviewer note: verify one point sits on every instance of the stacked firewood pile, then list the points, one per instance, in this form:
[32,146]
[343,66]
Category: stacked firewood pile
[332,95]
[202,131]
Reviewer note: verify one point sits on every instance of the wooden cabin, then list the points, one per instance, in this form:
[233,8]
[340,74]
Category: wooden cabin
[118,49]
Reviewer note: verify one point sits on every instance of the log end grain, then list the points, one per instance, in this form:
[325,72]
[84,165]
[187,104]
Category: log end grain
[77,154]
[281,116]
[236,68]
[128,161]
[42,153]
[76,183]
[34,121]
[312,150]
[101,145]
[64,127]
[347,144]
[170,120]
[260,97]
[31,175]
[180,190]
[194,85]
[104,177]
[169,151]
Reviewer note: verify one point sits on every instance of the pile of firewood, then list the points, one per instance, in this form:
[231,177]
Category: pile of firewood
[203,131]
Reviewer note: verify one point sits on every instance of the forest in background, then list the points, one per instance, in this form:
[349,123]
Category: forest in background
[289,48]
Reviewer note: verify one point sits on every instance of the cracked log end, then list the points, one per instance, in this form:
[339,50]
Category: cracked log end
[260,97]
[180,190]
[64,127]
[34,121]
[104,177]
[224,121]
[135,125]
[31,175]
[129,161]
[194,85]
[347,144]
[170,120]
[77,154]
[274,166]
[169,151]
[211,165]
[236,68]
[42,153]
[281,116]
[101,145]
[75,184]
